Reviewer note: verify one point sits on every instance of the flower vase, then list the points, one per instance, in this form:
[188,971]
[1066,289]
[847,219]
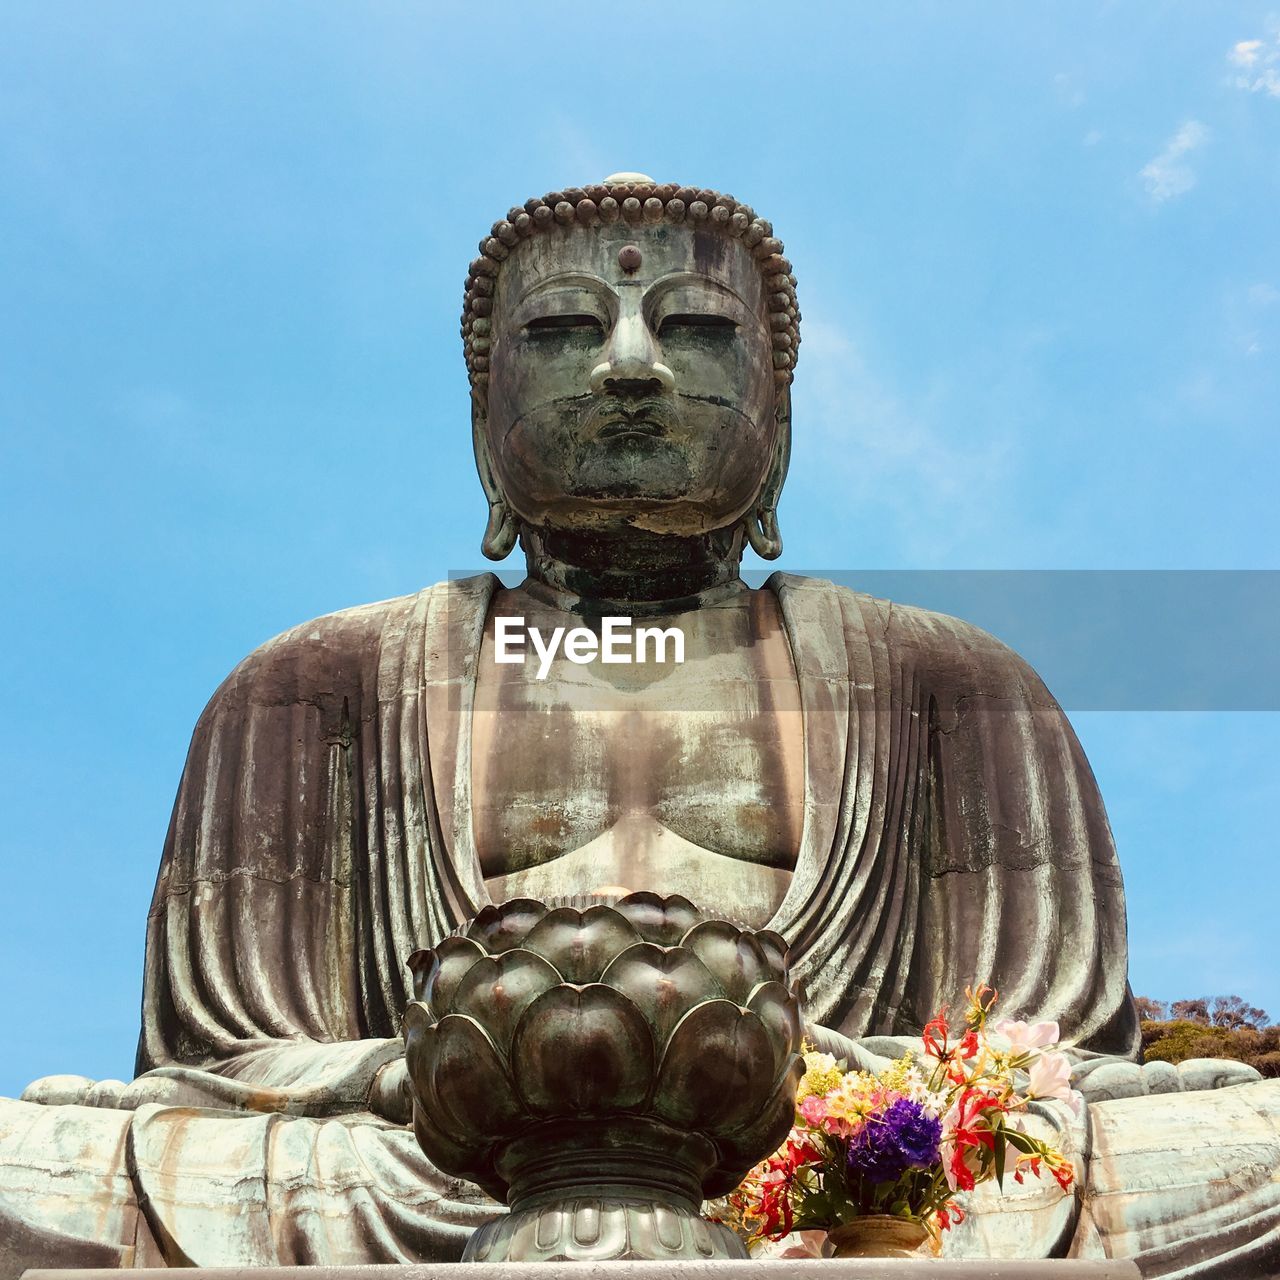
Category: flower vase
[878,1235]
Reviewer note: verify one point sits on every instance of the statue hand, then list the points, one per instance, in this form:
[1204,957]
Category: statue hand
[1106,1079]
[389,1094]
[871,1054]
[75,1091]
[1215,1073]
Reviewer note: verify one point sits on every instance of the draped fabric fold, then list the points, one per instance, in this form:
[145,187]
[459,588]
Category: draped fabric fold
[306,858]
[953,834]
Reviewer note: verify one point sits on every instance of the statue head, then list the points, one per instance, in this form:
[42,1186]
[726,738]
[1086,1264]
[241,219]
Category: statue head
[630,347]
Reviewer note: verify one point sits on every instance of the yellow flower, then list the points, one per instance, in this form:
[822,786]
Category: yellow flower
[854,1098]
[897,1075]
[822,1074]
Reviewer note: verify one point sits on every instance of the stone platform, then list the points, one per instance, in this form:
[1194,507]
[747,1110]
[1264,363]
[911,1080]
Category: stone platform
[800,1269]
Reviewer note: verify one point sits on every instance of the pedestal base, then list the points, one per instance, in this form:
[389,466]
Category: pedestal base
[800,1269]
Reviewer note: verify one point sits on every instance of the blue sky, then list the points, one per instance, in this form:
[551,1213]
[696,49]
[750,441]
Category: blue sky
[1040,276]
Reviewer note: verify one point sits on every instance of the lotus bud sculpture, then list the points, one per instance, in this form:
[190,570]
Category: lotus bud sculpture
[602,1070]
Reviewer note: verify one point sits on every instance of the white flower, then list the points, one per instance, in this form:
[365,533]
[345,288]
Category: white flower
[1050,1077]
[916,1089]
[1025,1036]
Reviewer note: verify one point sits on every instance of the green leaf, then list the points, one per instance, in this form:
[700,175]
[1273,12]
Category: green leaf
[1028,1145]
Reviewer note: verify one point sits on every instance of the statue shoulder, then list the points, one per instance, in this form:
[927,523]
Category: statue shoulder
[335,655]
[947,652]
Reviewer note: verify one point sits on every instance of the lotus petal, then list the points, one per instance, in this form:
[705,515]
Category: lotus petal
[496,991]
[419,1050]
[447,1155]
[460,1078]
[499,928]
[583,1051]
[436,973]
[777,951]
[663,921]
[421,1045]
[468,1158]
[732,954]
[664,983]
[779,1009]
[421,964]
[717,1071]
[581,943]
[461,1162]
[762,1134]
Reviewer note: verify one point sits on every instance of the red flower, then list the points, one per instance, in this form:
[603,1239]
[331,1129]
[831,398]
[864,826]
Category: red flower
[935,1035]
[961,1178]
[966,1129]
[981,1003]
[794,1154]
[775,1210]
[969,1111]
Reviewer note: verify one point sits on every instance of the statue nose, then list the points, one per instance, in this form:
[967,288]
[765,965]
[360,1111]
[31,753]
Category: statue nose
[631,365]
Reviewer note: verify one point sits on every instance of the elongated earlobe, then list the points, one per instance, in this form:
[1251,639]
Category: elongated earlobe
[763,534]
[501,532]
[762,523]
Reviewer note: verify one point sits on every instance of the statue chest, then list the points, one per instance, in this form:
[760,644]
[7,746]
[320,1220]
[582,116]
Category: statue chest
[678,777]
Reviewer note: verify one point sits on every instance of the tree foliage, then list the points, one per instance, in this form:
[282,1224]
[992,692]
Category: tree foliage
[1150,1010]
[1233,1013]
[1217,1027]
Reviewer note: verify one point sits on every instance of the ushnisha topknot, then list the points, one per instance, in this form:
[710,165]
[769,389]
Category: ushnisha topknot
[636,199]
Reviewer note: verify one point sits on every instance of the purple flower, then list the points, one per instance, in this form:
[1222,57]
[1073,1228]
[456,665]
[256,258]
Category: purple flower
[904,1137]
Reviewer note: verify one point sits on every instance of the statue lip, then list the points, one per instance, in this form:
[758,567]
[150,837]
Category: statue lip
[614,420]
[621,427]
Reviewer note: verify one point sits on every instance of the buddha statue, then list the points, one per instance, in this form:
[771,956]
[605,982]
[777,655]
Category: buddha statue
[892,790]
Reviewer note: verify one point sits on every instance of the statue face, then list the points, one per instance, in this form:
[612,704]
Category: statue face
[631,389]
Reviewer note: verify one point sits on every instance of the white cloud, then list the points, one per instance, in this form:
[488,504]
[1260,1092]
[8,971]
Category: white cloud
[1092,138]
[1268,82]
[1169,174]
[1259,64]
[1245,52]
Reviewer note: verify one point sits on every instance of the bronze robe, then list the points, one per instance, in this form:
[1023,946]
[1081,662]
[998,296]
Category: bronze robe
[953,833]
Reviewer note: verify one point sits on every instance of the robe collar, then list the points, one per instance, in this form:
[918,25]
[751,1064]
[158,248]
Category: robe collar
[818,631]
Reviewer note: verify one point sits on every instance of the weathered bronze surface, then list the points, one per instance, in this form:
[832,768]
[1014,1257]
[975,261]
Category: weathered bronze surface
[892,791]
[602,1070]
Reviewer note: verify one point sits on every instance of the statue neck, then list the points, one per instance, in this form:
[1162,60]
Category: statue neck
[633,573]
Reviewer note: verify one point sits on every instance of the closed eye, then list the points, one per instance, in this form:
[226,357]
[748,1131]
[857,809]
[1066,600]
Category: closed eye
[559,324]
[696,320]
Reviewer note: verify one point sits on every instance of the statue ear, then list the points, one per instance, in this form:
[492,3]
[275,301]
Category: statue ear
[762,523]
[501,531]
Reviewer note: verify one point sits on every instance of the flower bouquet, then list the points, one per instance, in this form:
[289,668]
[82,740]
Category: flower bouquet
[897,1145]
